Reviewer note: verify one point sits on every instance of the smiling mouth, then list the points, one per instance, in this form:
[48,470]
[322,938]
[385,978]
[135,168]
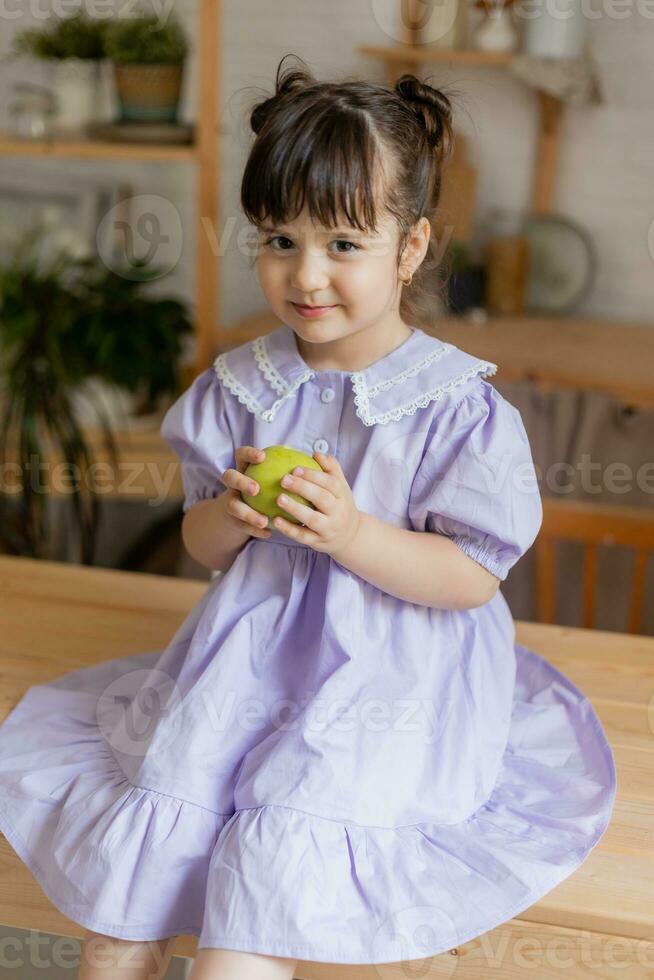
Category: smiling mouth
[311,312]
[307,306]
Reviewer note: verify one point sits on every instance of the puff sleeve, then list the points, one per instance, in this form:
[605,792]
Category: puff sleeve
[196,428]
[476,482]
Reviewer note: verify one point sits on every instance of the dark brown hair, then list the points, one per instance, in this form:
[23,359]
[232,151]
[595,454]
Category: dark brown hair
[342,147]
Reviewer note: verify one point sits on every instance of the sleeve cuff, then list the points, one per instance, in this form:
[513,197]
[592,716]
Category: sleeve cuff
[482,556]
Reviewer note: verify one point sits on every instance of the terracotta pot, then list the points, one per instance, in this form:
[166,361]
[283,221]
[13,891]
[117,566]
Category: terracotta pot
[148,93]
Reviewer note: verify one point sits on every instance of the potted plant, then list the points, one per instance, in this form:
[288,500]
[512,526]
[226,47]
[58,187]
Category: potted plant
[141,365]
[64,321]
[148,61]
[74,48]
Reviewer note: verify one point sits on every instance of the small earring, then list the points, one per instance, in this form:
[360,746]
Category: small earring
[407,282]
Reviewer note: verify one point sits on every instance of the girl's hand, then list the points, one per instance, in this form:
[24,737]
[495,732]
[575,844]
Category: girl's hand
[244,517]
[335,521]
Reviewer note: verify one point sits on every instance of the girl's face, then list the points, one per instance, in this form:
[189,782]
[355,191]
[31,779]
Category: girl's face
[352,273]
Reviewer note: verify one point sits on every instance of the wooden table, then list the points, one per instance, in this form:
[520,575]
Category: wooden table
[599,922]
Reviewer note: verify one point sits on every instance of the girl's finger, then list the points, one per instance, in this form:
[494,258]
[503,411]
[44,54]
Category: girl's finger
[288,527]
[317,478]
[243,512]
[329,463]
[307,515]
[317,494]
[248,454]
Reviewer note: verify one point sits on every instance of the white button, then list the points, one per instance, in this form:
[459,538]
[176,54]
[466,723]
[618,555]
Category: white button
[320,446]
[327,395]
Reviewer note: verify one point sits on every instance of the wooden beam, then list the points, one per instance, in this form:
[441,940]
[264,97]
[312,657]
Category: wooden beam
[208,217]
[547,153]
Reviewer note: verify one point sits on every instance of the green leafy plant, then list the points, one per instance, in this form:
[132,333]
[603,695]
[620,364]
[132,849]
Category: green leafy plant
[62,321]
[123,336]
[144,40]
[78,36]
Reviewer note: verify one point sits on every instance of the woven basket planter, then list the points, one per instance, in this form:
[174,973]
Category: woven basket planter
[148,93]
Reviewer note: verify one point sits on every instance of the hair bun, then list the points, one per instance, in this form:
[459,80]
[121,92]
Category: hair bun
[289,81]
[432,109]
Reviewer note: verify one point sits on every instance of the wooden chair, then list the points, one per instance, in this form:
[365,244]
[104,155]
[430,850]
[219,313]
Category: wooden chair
[592,524]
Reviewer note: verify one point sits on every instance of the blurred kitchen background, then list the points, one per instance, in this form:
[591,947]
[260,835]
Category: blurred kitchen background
[124,267]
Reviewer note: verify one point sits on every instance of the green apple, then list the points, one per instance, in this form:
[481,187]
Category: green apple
[278,461]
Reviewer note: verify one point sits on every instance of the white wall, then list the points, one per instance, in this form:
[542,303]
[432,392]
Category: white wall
[606,167]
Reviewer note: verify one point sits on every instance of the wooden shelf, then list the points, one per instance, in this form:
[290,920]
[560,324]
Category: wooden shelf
[203,151]
[424,54]
[83,147]
[411,57]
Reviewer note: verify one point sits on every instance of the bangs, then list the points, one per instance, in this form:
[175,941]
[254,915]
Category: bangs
[322,154]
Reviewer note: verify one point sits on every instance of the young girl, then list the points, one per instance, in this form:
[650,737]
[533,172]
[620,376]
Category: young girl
[342,755]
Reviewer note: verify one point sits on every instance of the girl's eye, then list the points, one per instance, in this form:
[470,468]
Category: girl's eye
[339,241]
[343,241]
[280,238]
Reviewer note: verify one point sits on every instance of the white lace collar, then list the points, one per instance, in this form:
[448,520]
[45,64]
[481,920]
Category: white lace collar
[265,372]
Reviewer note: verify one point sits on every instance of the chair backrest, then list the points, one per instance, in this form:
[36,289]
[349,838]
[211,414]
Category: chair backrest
[592,524]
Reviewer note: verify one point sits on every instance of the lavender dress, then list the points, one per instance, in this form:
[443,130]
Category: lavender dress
[314,768]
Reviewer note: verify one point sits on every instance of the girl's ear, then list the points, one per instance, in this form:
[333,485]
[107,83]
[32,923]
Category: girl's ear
[416,246]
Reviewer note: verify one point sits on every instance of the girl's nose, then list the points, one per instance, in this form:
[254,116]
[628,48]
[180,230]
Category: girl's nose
[309,275]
